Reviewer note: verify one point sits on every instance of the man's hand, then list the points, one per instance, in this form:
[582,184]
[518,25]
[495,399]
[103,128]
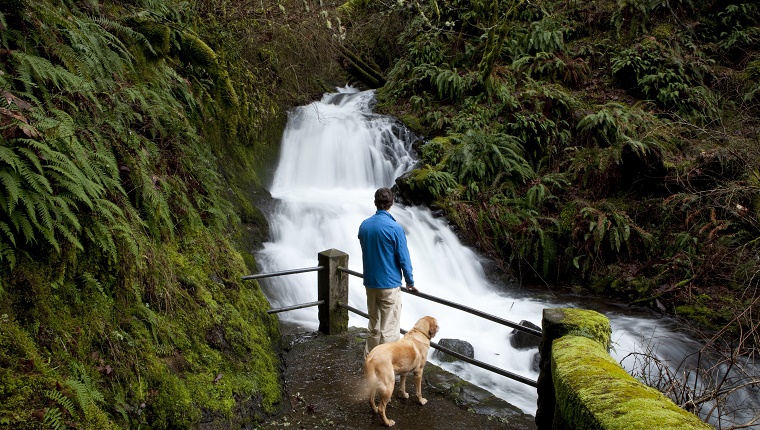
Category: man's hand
[411,288]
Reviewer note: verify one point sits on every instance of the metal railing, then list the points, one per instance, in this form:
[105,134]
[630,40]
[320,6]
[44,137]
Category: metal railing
[344,305]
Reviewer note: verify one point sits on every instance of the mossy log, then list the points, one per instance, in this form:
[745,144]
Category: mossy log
[358,68]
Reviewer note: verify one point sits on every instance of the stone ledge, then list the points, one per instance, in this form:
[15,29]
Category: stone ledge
[474,398]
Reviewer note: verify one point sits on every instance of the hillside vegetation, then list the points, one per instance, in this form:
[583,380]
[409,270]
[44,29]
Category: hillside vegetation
[135,137]
[608,146]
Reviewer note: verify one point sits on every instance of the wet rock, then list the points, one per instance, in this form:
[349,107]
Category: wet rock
[409,195]
[459,346]
[215,337]
[523,340]
[535,364]
[476,399]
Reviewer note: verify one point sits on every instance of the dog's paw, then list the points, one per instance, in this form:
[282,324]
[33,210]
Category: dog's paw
[423,401]
[390,423]
[404,395]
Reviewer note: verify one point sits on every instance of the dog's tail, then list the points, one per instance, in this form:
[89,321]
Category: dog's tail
[369,382]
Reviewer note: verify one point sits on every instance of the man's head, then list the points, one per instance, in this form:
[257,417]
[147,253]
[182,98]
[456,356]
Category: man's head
[383,198]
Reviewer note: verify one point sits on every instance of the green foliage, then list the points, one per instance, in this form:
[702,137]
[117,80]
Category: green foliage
[47,182]
[606,234]
[447,83]
[489,159]
[673,79]
[738,26]
[637,15]
[54,416]
[615,135]
[751,78]
[109,157]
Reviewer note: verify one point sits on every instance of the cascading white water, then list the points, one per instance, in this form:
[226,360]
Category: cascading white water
[335,154]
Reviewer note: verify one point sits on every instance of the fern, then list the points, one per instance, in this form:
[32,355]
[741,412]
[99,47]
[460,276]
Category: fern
[619,127]
[447,82]
[489,159]
[88,398]
[671,77]
[54,417]
[546,36]
[434,182]
[609,229]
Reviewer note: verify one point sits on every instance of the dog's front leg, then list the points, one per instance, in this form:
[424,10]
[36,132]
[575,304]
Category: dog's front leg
[418,385]
[402,386]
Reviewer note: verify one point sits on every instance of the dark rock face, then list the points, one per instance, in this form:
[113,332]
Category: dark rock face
[456,345]
[523,340]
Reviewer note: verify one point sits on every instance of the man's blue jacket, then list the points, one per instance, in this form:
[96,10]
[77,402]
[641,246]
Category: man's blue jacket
[384,252]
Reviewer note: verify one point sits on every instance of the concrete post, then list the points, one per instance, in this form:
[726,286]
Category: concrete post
[333,288]
[557,323]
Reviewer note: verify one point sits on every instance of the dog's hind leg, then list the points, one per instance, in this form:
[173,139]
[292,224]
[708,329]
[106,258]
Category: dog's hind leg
[382,406]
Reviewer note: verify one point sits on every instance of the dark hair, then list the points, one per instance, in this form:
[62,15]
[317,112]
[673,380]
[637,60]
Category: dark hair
[383,198]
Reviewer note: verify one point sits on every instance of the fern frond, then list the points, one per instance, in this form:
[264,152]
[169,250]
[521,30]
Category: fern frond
[12,190]
[53,418]
[123,31]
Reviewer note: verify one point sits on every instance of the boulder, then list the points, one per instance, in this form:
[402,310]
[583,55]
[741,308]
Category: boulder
[459,346]
[524,340]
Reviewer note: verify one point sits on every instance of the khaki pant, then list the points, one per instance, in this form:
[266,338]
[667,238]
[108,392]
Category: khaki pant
[384,309]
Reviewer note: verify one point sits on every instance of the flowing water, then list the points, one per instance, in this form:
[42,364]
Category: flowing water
[335,154]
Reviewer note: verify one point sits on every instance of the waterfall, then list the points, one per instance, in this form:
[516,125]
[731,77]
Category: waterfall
[335,153]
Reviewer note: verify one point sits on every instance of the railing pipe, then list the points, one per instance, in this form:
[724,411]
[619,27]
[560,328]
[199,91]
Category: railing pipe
[294,307]
[475,312]
[486,366]
[487,316]
[284,272]
[351,272]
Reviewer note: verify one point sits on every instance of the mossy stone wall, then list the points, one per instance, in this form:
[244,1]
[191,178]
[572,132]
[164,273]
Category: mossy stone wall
[582,387]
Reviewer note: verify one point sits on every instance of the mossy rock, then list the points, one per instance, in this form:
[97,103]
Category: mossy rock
[413,123]
[195,51]
[158,35]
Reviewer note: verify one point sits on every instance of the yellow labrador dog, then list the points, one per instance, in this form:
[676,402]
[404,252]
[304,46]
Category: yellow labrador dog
[408,354]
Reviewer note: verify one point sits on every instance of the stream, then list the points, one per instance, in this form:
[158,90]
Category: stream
[335,153]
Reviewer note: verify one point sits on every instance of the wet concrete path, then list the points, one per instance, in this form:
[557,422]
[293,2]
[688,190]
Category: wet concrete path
[323,376]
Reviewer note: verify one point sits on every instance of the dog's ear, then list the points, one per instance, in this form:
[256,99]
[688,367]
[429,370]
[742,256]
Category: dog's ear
[432,326]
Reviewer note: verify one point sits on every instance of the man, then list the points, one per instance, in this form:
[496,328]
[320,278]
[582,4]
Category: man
[385,257]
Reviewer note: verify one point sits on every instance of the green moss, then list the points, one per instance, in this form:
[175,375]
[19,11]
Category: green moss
[158,35]
[169,400]
[664,31]
[412,122]
[567,217]
[559,322]
[195,51]
[594,392]
[701,310]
